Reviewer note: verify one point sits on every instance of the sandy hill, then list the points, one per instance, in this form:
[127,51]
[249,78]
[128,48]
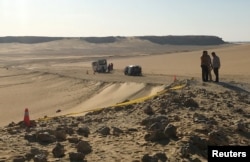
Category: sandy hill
[174,40]
[54,80]
[176,125]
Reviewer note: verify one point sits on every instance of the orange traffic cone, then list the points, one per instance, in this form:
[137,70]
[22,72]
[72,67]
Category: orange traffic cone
[26,118]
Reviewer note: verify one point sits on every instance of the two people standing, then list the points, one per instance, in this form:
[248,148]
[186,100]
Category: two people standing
[207,65]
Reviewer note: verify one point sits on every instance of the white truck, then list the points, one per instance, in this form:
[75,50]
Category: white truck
[100,66]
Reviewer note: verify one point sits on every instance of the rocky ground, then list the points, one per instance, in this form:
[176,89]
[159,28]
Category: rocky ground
[174,126]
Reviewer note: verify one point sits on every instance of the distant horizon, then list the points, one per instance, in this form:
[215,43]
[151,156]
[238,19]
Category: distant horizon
[119,36]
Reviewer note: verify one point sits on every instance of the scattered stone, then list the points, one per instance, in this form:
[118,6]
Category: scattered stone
[158,157]
[198,142]
[31,137]
[161,157]
[84,131]
[148,110]
[156,126]
[104,131]
[61,135]
[185,151]
[199,118]
[18,159]
[153,119]
[40,158]
[132,130]
[241,127]
[170,131]
[73,139]
[156,135]
[145,126]
[217,138]
[191,103]
[45,137]
[58,151]
[147,158]
[76,156]
[84,147]
[116,131]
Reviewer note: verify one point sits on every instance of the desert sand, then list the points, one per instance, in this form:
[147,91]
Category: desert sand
[65,99]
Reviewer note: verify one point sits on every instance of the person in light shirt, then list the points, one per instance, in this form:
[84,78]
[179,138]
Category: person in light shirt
[216,66]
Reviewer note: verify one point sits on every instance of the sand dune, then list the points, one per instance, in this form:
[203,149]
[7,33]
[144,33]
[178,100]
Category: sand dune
[50,76]
[44,94]
[114,93]
[55,78]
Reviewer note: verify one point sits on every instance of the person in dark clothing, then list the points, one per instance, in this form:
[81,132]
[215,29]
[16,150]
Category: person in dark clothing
[111,66]
[205,63]
[216,66]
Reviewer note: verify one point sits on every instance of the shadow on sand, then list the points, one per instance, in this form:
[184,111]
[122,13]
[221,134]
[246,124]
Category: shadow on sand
[233,87]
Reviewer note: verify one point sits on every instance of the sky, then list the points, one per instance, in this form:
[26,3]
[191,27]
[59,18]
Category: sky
[227,19]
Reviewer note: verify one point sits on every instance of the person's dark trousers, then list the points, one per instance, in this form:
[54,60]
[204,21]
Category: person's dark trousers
[204,73]
[216,72]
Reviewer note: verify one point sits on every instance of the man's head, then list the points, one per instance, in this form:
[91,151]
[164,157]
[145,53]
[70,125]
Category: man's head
[204,52]
[213,53]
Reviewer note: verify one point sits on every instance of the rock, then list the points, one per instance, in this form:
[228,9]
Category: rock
[153,119]
[116,131]
[132,130]
[198,142]
[156,126]
[176,118]
[191,103]
[161,157]
[199,118]
[61,135]
[84,147]
[147,158]
[73,139]
[185,151]
[58,151]
[217,138]
[76,156]
[156,135]
[162,111]
[69,131]
[148,110]
[18,159]
[40,158]
[104,131]
[241,127]
[31,137]
[28,156]
[36,151]
[158,157]
[170,131]
[196,160]
[45,137]
[84,131]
